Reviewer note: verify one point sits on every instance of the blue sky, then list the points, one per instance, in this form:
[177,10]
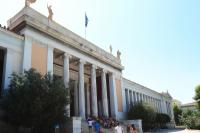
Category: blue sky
[159,39]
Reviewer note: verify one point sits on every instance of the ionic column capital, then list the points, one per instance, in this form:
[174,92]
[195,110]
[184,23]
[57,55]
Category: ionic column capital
[104,70]
[93,66]
[66,55]
[81,61]
[50,47]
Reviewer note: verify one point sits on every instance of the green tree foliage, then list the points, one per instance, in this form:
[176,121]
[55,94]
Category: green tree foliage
[150,119]
[197,96]
[177,114]
[145,112]
[35,101]
[191,119]
[162,119]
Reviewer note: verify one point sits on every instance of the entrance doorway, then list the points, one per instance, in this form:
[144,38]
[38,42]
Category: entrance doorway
[2,54]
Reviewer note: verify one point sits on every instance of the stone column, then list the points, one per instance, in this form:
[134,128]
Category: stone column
[50,60]
[113,95]
[149,99]
[81,89]
[94,91]
[104,93]
[128,100]
[134,98]
[131,98]
[66,70]
[88,99]
[8,67]
[27,53]
[143,98]
[76,109]
[66,79]
[139,98]
[160,106]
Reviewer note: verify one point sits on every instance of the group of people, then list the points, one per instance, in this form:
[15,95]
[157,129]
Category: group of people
[109,123]
[129,129]
[94,123]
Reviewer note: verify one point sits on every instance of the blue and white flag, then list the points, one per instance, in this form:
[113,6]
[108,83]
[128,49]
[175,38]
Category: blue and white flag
[86,20]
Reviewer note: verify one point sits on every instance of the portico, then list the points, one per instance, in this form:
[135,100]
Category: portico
[81,78]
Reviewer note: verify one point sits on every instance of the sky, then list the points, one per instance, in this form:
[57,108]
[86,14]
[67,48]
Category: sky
[158,39]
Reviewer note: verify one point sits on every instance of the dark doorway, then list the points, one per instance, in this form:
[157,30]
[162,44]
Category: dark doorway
[99,96]
[108,94]
[2,54]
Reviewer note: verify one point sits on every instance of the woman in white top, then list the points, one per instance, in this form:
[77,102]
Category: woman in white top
[118,129]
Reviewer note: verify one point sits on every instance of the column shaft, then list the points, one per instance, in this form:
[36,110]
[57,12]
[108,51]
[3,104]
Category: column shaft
[131,98]
[134,97]
[50,60]
[66,70]
[104,93]
[81,90]
[128,100]
[94,91]
[66,80]
[27,53]
[113,95]
[8,68]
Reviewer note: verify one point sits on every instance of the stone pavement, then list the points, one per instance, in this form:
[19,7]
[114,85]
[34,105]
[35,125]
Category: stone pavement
[177,131]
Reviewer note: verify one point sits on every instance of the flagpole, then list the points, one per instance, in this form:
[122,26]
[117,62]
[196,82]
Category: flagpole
[85,32]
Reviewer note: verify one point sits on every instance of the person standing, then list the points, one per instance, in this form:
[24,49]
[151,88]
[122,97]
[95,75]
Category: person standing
[128,129]
[97,127]
[90,122]
[133,129]
[118,129]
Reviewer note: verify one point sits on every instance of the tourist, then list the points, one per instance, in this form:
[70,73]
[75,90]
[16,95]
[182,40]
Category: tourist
[133,129]
[118,129]
[97,127]
[128,129]
[90,121]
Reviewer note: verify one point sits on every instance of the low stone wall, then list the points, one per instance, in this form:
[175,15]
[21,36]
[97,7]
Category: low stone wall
[171,124]
[73,125]
[137,124]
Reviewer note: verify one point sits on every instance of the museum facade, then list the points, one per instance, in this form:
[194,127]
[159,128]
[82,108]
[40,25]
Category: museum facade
[94,75]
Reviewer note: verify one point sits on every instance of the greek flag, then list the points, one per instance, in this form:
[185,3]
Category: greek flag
[86,20]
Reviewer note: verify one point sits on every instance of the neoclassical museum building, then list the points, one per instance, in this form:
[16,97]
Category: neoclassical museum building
[32,40]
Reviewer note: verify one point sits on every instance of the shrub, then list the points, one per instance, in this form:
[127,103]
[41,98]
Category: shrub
[35,101]
[177,114]
[145,112]
[162,119]
[197,96]
[191,119]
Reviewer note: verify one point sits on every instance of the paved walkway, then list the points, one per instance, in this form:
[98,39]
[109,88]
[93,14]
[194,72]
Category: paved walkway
[177,131]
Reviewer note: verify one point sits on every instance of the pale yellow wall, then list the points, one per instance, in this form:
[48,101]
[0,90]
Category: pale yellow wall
[39,58]
[119,95]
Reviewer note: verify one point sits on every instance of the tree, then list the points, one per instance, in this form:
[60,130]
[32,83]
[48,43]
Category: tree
[145,112]
[177,114]
[35,101]
[197,96]
[162,119]
[191,119]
